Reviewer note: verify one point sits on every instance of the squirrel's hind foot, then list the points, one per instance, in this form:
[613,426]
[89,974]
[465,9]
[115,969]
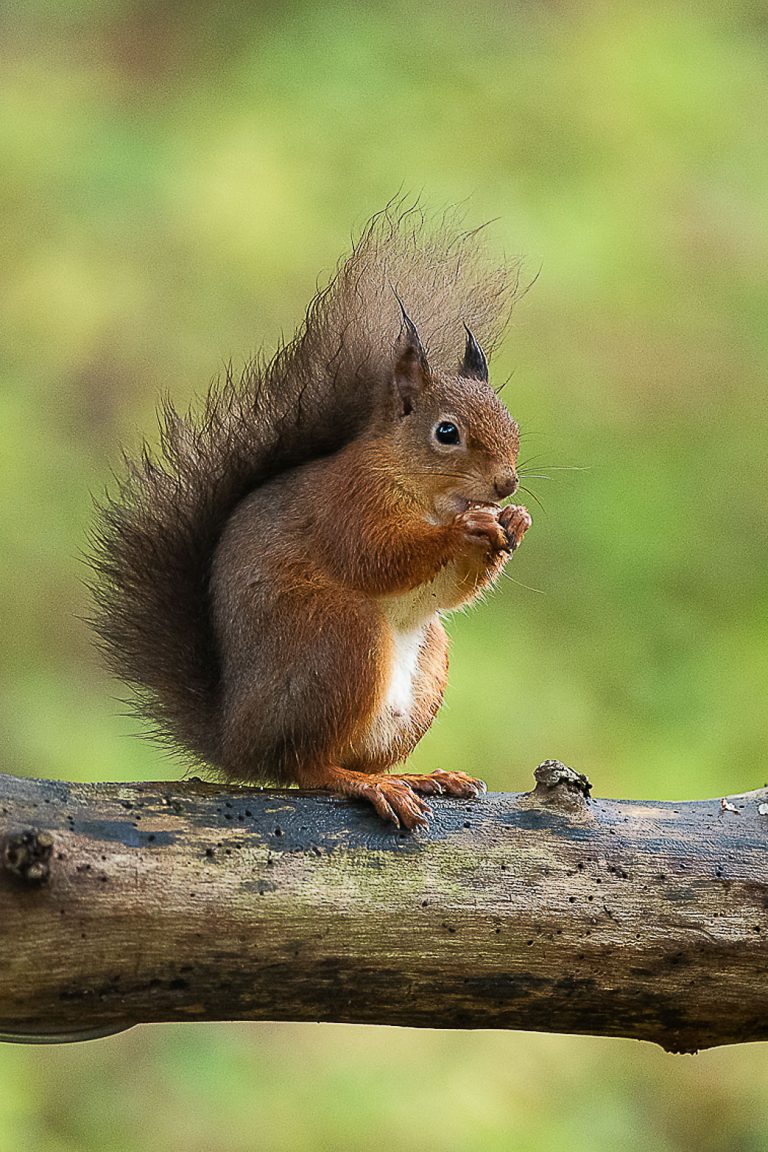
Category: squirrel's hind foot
[392,797]
[439,783]
[396,799]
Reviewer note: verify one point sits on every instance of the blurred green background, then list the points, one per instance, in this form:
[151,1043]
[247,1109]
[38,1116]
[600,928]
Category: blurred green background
[174,178]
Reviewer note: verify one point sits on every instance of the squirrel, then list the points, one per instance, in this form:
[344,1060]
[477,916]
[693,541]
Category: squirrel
[271,580]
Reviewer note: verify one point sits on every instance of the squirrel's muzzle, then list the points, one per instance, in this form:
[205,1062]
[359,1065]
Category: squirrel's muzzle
[506,484]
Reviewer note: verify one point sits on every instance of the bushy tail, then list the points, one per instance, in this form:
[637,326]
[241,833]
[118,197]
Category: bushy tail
[155,538]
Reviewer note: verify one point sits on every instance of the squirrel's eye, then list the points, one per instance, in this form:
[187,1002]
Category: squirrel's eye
[447,433]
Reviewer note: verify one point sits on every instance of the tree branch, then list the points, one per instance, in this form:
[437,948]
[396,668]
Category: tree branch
[122,904]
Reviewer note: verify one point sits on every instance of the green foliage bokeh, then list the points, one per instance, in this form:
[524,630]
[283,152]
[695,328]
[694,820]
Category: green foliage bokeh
[174,181]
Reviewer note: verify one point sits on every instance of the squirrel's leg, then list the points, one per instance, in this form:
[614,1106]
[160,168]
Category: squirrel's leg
[298,700]
[365,772]
[393,797]
[428,694]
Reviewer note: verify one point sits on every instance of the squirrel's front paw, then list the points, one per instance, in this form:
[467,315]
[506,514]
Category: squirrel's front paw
[481,526]
[515,521]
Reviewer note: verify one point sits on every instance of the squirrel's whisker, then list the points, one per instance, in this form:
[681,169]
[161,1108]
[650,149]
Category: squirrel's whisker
[561,467]
[520,584]
[533,496]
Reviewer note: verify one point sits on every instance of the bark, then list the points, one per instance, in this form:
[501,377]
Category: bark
[128,903]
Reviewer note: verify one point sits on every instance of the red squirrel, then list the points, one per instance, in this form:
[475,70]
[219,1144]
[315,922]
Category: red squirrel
[272,581]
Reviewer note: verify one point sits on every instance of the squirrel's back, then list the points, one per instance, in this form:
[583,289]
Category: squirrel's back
[154,543]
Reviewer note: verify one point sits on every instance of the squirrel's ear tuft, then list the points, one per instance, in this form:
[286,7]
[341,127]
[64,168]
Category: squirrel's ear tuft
[474,363]
[411,368]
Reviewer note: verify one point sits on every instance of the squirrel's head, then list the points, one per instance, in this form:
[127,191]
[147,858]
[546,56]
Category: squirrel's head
[456,442]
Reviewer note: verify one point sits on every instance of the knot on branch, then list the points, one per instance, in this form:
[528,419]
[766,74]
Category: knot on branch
[27,856]
[559,785]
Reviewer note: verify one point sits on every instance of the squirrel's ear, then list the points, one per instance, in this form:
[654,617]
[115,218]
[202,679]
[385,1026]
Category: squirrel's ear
[411,368]
[474,363]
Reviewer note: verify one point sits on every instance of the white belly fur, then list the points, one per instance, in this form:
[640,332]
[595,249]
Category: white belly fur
[394,714]
[402,673]
[407,616]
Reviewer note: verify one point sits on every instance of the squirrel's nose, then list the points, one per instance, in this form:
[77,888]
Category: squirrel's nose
[506,484]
